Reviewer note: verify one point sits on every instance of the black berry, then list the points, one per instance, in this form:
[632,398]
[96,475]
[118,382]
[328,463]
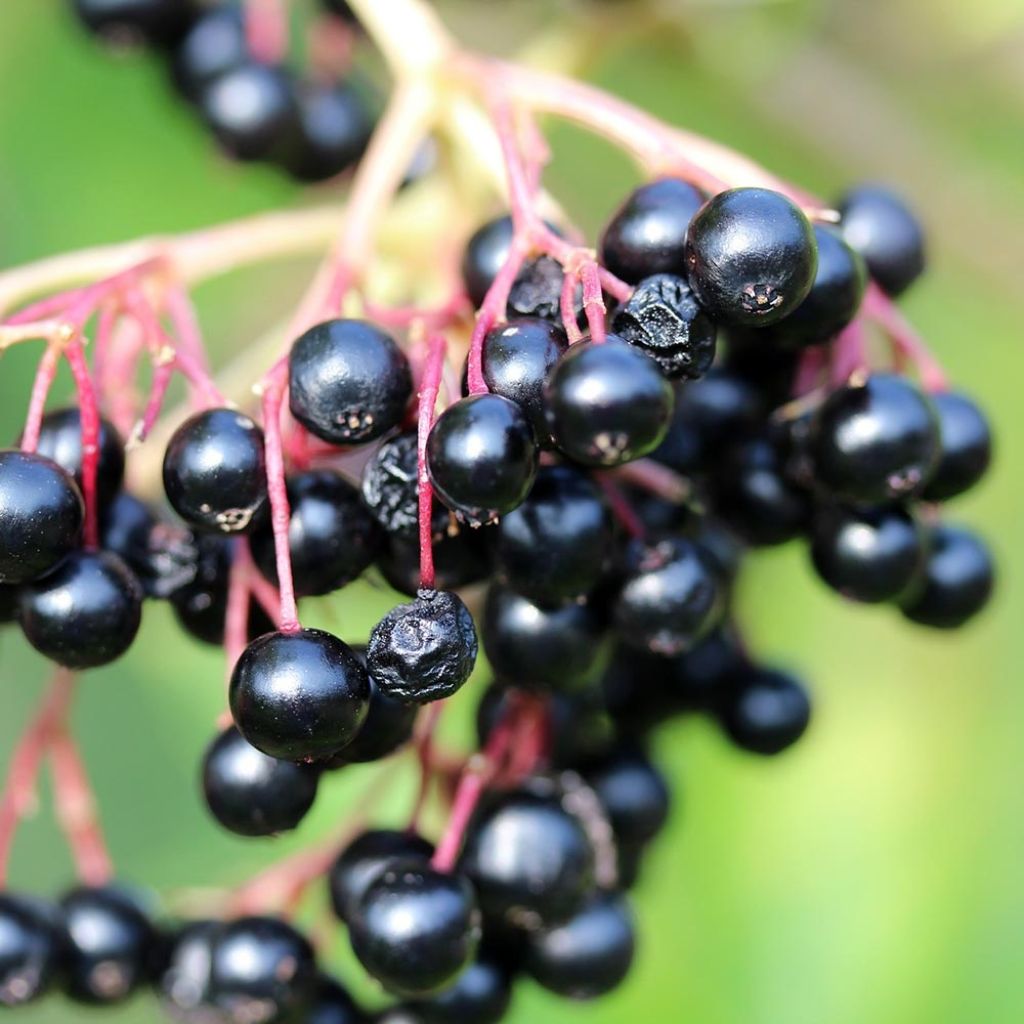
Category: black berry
[765,711]
[60,439]
[965,447]
[32,948]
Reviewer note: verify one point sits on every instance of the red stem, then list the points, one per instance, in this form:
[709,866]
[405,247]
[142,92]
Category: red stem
[621,507]
[429,388]
[429,718]
[593,301]
[45,374]
[266,30]
[236,615]
[89,412]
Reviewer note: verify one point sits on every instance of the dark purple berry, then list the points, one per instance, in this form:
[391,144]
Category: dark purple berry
[215,44]
[33,944]
[331,1004]
[633,793]
[462,555]
[481,994]
[334,128]
[156,22]
[60,439]
[388,726]
[486,253]
[765,711]
[965,441]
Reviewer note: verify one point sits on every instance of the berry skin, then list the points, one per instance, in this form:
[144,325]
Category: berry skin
[252,794]
[957,583]
[875,442]
[157,22]
[389,487]
[365,859]
[662,319]
[553,548]
[215,472]
[670,597]
[32,949]
[607,403]
[530,862]
[331,536]
[388,726]
[299,696]
[425,650]
[750,256]
[765,711]
[331,1004]
[871,555]
[252,112]
[261,969]
[539,648]
[647,234]
[587,956]
[126,528]
[350,382]
[8,603]
[877,224]
[112,946]
[486,253]
[482,457]
[415,929]
[184,983]
[41,515]
[85,613]
[965,447]
[481,994]
[516,360]
[462,555]
[537,291]
[214,45]
[633,793]
[60,439]
[334,128]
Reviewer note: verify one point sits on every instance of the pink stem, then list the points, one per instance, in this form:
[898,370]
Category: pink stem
[45,374]
[105,328]
[568,308]
[186,326]
[433,319]
[654,478]
[89,412]
[45,309]
[429,388]
[266,30]
[429,718]
[236,616]
[162,375]
[621,508]
[880,308]
[809,371]
[848,353]
[593,301]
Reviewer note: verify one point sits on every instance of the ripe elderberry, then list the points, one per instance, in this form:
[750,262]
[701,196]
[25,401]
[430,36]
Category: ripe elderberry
[156,22]
[481,994]
[765,711]
[214,45]
[965,447]
[33,943]
[60,439]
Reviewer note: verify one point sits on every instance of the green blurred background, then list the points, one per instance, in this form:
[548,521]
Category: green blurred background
[874,874]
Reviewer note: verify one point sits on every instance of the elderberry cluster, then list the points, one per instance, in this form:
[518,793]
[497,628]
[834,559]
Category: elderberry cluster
[312,125]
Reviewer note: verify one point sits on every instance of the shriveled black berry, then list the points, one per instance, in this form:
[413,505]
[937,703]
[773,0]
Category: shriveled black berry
[251,793]
[537,291]
[481,994]
[750,256]
[32,948]
[765,711]
[334,128]
[425,650]
[215,44]
[663,319]
[965,447]
[60,439]
[156,22]
[389,486]
[350,382]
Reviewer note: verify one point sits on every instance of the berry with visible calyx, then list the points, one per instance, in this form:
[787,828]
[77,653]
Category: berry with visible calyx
[647,234]
[462,555]
[215,44]
[607,403]
[349,381]
[875,441]
[553,548]
[32,948]
[633,793]
[765,711]
[486,253]
[364,859]
[60,439]
[215,472]
[331,1004]
[481,994]
[879,225]
[334,128]
[965,447]
[425,650]
[299,696]
[414,928]
[670,596]
[957,583]
[41,516]
[332,538]
[112,946]
[663,319]
[750,256]
[530,861]
[85,613]
[589,955]
[540,648]
[251,793]
[156,22]
[537,291]
[869,555]
[183,985]
[261,969]
[482,457]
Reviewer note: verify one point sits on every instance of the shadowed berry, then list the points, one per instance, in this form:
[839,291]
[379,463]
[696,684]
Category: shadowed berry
[60,439]
[486,253]
[32,948]
[633,793]
[481,994]
[334,128]
[156,22]
[215,44]
[765,711]
[537,291]
[965,447]
[462,555]
[331,1004]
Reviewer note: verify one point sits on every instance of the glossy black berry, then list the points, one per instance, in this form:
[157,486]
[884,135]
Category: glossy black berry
[60,439]
[965,440]
[875,441]
[879,225]
[261,969]
[537,291]
[32,948]
[112,946]
[364,859]
[957,583]
[481,994]
[662,319]
[539,648]
[251,793]
[486,253]
[415,929]
[750,256]
[215,44]
[633,793]
[301,696]
[425,650]
[252,112]
[85,613]
[482,457]
[587,956]
[350,382]
[670,596]
[516,360]
[647,234]
[331,535]
[334,128]
[156,22]
[331,1004]
[462,555]
[553,548]
[183,985]
[607,403]
[765,711]
[41,515]
[868,554]
[215,473]
[530,861]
